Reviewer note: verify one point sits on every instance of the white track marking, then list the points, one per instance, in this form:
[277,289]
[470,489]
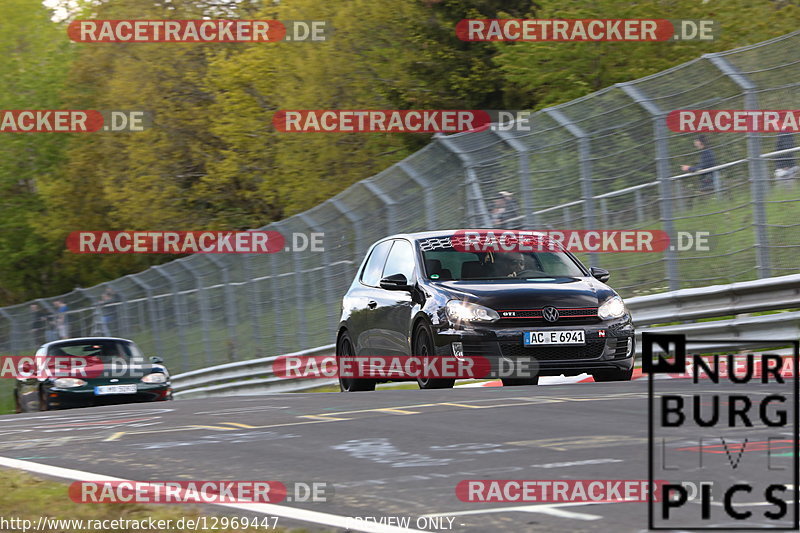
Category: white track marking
[271,509]
[552,509]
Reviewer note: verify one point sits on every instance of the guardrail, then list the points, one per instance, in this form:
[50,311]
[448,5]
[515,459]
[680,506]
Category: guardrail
[653,313]
[254,376]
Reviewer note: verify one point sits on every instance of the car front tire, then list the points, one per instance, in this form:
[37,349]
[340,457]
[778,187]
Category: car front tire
[345,348]
[423,348]
[44,405]
[17,404]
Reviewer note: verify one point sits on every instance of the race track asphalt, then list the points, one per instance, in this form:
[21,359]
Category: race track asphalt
[401,453]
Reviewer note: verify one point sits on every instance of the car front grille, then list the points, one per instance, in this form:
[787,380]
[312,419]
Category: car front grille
[533,317]
[592,350]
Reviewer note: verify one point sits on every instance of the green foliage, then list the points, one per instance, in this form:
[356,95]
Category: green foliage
[32,64]
[548,73]
[212,159]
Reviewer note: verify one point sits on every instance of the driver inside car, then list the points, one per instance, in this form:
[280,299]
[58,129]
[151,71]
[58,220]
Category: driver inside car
[512,263]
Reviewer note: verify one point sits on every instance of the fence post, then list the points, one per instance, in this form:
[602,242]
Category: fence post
[9,347]
[299,297]
[278,317]
[122,311]
[154,321]
[523,154]
[330,297]
[637,199]
[202,303]
[253,297]
[662,172]
[97,316]
[584,152]
[391,205]
[756,165]
[427,190]
[230,305]
[359,247]
[176,297]
[474,194]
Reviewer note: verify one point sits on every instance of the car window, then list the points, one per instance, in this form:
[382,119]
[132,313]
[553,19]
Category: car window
[99,348]
[558,264]
[371,275]
[480,265]
[401,260]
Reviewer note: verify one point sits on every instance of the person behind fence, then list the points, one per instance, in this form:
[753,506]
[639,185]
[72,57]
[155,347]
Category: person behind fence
[707,160]
[505,211]
[62,328]
[109,310]
[786,168]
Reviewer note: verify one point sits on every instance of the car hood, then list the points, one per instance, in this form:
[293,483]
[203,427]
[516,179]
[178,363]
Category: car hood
[510,294]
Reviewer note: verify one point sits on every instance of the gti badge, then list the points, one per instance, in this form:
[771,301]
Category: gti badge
[550,313]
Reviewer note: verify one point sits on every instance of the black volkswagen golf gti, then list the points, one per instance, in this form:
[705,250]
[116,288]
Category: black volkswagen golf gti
[417,294]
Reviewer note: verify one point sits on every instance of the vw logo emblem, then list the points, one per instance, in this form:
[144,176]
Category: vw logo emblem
[550,314]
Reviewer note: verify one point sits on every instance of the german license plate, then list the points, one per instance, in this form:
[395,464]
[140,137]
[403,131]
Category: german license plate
[566,336]
[115,389]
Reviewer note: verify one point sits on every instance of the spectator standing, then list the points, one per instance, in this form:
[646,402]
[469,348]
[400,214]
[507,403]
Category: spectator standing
[505,211]
[786,168]
[707,160]
[108,301]
[62,327]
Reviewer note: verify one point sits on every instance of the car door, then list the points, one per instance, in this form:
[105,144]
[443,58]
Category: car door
[393,310]
[362,300]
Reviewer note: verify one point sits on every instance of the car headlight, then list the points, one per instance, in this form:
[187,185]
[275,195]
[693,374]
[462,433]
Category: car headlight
[458,311]
[614,307]
[155,377]
[68,383]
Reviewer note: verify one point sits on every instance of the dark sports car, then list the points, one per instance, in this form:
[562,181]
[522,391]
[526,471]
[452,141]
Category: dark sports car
[90,371]
[419,294]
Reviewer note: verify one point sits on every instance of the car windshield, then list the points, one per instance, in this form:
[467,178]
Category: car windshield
[104,349]
[448,264]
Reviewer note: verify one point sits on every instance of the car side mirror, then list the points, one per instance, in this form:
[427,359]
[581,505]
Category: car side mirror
[600,274]
[156,360]
[395,282]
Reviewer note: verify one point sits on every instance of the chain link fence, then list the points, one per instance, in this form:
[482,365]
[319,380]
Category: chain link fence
[605,161]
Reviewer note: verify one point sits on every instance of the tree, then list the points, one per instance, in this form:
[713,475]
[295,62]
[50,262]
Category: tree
[33,66]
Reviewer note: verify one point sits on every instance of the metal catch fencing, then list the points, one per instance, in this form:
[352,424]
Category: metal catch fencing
[604,161]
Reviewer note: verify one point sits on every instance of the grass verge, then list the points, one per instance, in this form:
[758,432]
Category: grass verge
[27,498]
